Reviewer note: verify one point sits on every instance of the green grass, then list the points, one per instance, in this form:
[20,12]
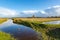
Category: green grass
[44,29]
[6,36]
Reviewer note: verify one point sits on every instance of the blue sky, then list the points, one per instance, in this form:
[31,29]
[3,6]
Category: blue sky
[28,4]
[13,7]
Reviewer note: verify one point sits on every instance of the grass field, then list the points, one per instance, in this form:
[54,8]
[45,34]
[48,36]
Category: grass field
[48,31]
[3,20]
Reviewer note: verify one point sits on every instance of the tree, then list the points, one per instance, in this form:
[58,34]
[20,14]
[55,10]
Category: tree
[33,16]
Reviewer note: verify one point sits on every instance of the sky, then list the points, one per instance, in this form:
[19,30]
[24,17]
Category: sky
[13,7]
[21,5]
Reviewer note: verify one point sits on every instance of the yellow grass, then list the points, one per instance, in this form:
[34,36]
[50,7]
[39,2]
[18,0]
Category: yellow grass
[38,19]
[3,20]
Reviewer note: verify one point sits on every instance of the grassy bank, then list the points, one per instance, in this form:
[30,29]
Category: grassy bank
[3,20]
[48,31]
[6,36]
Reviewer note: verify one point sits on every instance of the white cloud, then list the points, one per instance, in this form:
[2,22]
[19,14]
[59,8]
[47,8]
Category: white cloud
[56,6]
[53,11]
[5,12]
[30,11]
[50,11]
[43,12]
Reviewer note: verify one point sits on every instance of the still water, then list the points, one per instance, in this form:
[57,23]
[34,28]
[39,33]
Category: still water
[18,31]
[52,22]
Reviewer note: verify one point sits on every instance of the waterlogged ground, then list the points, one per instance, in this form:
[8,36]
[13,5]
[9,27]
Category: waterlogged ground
[52,22]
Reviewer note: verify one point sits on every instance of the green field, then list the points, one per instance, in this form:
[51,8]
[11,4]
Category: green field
[48,31]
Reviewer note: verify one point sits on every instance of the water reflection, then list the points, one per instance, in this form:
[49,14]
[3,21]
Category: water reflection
[52,22]
[19,31]
[6,24]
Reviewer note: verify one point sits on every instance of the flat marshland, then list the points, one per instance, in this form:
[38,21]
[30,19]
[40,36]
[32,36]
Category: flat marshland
[48,31]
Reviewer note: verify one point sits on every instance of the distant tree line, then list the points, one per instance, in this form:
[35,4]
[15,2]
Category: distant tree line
[46,17]
[33,16]
[53,17]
